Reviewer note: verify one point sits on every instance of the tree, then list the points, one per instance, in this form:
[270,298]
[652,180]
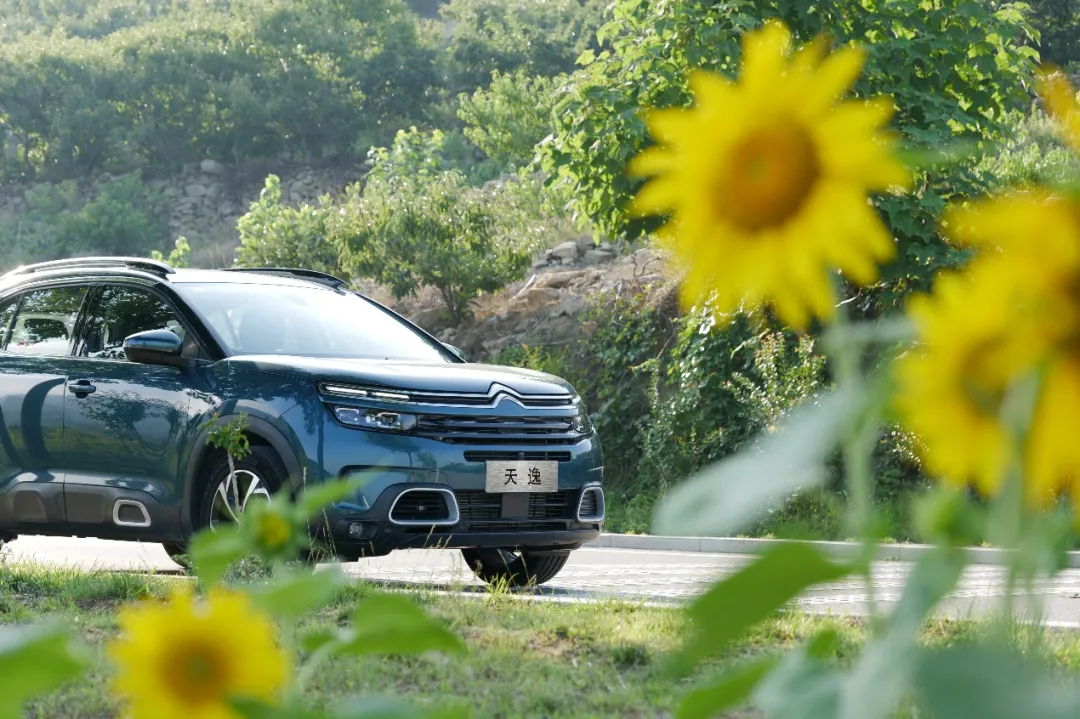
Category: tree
[414,224]
[542,37]
[508,118]
[275,235]
[955,68]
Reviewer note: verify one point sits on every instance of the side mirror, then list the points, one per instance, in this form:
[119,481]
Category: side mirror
[161,347]
[457,352]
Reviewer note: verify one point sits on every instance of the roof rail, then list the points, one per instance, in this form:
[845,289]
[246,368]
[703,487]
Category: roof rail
[135,263]
[322,278]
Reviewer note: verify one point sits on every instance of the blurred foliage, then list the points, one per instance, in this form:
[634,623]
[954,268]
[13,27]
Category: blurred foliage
[540,37]
[60,222]
[1058,24]
[954,67]
[1030,154]
[232,79]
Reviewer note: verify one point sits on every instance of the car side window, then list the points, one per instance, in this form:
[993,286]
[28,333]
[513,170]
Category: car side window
[122,312]
[7,313]
[45,321]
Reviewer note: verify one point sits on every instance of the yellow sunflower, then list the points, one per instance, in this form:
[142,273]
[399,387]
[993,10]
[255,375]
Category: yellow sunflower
[188,658]
[1060,98]
[1014,311]
[765,180]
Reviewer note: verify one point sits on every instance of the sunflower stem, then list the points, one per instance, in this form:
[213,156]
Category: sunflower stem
[857,446]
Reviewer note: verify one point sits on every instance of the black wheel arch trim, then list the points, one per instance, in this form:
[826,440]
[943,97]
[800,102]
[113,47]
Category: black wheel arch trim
[255,426]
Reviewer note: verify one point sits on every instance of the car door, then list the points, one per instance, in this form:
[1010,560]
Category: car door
[125,423]
[35,357]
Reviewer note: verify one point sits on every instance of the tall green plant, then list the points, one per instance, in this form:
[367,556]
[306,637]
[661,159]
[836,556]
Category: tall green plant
[954,68]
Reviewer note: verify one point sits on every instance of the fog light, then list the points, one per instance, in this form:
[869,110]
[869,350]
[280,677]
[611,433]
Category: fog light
[356,530]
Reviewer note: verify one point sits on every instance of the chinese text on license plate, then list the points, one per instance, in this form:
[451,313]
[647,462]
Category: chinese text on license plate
[522,476]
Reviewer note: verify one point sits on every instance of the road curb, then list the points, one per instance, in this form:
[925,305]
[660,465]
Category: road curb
[748,545]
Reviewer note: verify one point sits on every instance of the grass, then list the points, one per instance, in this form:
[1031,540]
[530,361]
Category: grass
[526,658]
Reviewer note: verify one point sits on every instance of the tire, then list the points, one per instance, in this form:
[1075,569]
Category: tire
[517,569]
[177,552]
[262,466]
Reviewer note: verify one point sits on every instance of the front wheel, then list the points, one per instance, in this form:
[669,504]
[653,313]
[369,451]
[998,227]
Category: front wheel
[515,568]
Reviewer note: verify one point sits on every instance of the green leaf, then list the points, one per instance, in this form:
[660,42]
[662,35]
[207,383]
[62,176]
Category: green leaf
[314,499]
[883,672]
[725,691]
[381,708]
[33,659]
[296,594]
[251,709]
[212,552]
[990,682]
[393,624]
[726,496]
[802,686]
[739,602]
[316,640]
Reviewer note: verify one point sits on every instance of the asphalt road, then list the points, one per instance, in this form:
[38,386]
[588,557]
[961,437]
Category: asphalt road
[593,574]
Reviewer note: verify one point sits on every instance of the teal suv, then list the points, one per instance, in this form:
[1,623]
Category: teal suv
[111,368]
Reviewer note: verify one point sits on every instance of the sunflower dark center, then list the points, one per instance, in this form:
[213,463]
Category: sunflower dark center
[196,672]
[771,173]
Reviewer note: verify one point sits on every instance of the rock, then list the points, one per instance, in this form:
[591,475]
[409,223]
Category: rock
[226,209]
[525,288]
[535,298]
[568,261]
[584,243]
[565,251]
[498,344]
[569,307]
[211,167]
[432,319]
[594,257]
[195,190]
[559,279]
[605,245]
[539,264]
[170,191]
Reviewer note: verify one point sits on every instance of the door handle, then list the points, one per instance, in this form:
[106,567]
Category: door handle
[81,386]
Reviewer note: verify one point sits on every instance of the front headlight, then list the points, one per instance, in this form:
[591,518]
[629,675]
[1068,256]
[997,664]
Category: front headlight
[380,419]
[581,423]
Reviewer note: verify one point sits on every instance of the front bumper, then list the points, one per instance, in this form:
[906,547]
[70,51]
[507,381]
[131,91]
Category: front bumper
[475,519]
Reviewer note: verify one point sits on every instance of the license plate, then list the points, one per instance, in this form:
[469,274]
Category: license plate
[522,477]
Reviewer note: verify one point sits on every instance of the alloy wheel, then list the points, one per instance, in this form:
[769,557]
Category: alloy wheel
[235,494]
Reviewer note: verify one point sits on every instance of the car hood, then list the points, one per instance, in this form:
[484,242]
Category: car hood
[419,376]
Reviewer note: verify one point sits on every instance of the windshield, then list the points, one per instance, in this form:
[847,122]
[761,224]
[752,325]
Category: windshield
[305,321]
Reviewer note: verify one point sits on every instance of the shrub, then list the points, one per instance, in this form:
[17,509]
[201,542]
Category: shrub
[275,235]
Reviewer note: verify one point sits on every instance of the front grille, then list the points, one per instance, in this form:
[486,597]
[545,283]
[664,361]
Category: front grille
[421,506]
[494,456]
[484,506]
[517,527]
[498,430]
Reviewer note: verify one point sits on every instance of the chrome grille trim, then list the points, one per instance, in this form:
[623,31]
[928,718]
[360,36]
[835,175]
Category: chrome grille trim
[490,399]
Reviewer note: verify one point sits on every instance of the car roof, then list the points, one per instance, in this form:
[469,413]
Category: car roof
[99,267]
